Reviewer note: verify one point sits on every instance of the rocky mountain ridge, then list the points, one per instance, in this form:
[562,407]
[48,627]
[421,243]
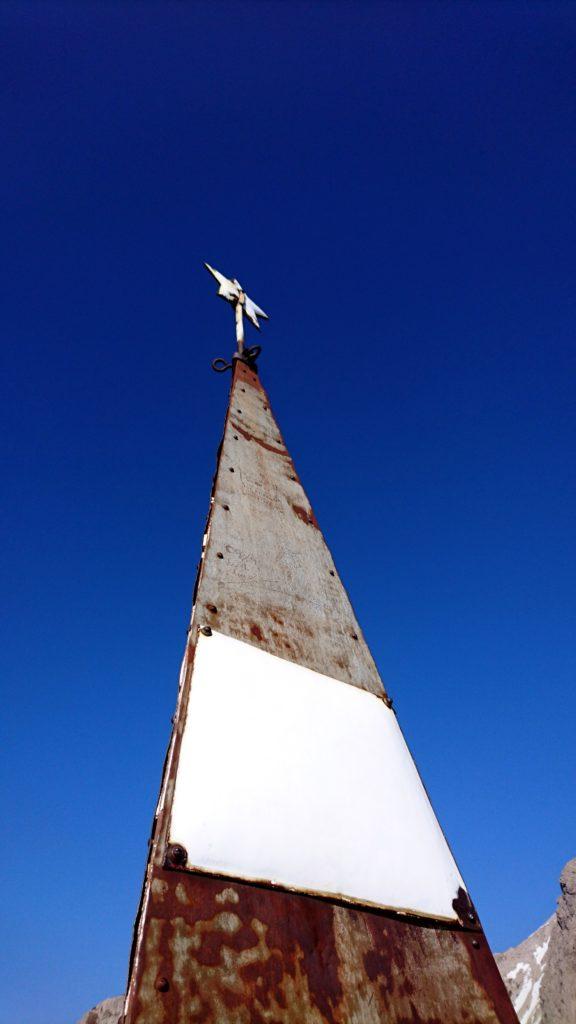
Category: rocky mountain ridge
[540,973]
[523,968]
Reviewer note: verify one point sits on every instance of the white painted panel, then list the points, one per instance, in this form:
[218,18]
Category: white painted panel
[291,777]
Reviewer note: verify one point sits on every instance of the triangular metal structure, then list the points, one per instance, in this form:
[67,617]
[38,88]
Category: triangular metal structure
[297,873]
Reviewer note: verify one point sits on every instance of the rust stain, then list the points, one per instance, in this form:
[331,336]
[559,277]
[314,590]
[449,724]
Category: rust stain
[263,444]
[306,515]
[481,967]
[248,374]
[465,909]
[234,953]
[256,631]
[272,566]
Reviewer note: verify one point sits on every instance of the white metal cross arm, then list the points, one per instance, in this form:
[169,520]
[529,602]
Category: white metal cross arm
[232,291]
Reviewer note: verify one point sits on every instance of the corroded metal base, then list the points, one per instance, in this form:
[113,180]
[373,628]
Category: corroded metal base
[223,952]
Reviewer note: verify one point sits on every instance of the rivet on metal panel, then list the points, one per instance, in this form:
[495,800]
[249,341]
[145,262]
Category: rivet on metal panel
[231,469]
[332,573]
[354,636]
[206,630]
[176,856]
[472,917]
[219,554]
[162,984]
[226,508]
[238,410]
[475,943]
[212,608]
[235,437]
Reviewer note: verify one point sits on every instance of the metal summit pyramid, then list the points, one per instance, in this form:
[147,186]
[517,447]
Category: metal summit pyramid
[297,873]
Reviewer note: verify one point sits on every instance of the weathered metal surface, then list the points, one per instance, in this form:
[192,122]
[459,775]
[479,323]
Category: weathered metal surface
[309,756]
[238,954]
[213,950]
[266,566]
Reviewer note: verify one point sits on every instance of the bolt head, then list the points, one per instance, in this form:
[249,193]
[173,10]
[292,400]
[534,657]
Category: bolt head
[162,984]
[176,856]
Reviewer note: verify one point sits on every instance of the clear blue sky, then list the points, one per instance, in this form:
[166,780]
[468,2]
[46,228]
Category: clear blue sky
[394,183]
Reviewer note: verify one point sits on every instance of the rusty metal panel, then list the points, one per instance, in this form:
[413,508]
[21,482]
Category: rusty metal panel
[208,949]
[219,952]
[314,788]
[266,568]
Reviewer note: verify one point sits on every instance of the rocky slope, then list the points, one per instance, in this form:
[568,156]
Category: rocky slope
[523,969]
[559,983]
[540,973]
[107,1012]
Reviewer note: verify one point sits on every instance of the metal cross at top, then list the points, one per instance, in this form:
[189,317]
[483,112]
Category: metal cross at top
[232,291]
